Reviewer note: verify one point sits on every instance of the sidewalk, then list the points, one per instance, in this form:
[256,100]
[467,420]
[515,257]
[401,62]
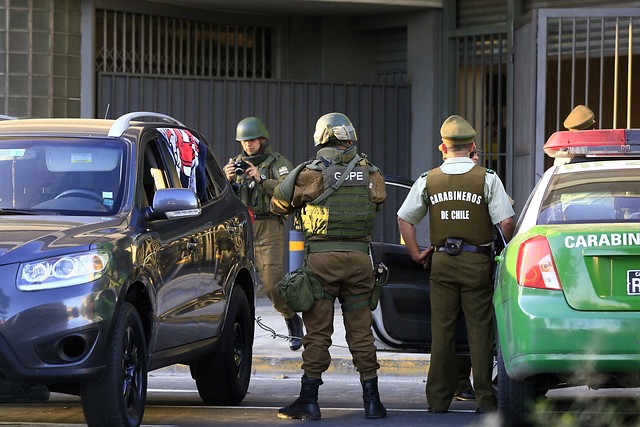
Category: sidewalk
[272,355]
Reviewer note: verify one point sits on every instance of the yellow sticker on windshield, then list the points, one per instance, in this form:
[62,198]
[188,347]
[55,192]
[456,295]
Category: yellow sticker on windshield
[81,158]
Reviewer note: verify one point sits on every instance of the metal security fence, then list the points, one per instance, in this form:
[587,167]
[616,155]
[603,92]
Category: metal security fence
[381,114]
[591,60]
[566,57]
[480,93]
[146,44]
[210,75]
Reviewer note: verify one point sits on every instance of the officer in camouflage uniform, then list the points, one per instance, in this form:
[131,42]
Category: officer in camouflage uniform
[254,182]
[463,200]
[337,226]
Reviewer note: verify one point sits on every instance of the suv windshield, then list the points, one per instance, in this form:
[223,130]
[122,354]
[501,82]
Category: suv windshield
[611,196]
[66,176]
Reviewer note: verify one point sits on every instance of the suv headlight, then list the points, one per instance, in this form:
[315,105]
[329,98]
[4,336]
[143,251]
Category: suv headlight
[66,270]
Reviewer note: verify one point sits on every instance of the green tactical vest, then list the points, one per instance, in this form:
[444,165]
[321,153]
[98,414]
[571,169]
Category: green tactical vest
[457,207]
[346,213]
[253,194]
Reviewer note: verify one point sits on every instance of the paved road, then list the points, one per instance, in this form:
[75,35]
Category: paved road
[174,401]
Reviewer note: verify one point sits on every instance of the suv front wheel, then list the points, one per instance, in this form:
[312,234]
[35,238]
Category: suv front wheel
[224,378]
[118,399]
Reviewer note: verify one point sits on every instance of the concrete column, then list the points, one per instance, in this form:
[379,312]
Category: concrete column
[423,64]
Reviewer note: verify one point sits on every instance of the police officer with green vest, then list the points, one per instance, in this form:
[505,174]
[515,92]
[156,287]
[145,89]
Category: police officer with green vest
[463,200]
[335,197]
[254,174]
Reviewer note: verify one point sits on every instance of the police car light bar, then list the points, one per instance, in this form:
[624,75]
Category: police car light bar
[594,143]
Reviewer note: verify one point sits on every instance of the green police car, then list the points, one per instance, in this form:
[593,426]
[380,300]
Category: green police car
[567,296]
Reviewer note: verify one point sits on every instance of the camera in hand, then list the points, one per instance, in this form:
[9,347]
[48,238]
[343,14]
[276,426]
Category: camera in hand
[240,166]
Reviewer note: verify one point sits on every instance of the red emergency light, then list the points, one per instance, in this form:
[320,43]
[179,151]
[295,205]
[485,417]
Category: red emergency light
[594,143]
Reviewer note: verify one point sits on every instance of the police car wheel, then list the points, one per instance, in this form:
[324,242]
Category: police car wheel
[515,398]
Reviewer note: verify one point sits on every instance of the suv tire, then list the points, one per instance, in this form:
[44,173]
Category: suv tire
[224,378]
[118,399]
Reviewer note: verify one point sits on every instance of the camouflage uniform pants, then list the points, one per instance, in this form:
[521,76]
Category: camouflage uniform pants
[268,235]
[343,274]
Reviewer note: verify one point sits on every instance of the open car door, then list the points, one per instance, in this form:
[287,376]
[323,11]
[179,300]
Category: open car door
[402,319]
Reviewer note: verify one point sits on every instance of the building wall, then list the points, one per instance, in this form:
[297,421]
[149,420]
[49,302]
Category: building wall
[40,58]
[562,78]
[49,65]
[529,5]
[331,49]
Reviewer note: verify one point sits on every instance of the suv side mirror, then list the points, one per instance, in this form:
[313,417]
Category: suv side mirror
[170,203]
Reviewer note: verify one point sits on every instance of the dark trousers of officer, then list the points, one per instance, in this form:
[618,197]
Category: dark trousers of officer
[344,274]
[464,373]
[461,282]
[268,236]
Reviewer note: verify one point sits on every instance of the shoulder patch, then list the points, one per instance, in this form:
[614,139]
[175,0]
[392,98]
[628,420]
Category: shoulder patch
[490,171]
[283,170]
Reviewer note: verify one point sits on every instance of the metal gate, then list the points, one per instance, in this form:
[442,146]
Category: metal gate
[290,109]
[128,42]
[480,93]
[590,60]
[477,58]
[210,75]
[566,57]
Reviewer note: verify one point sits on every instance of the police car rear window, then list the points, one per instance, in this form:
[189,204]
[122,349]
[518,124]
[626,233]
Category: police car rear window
[596,196]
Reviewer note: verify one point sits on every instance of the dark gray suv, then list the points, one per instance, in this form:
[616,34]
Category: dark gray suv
[122,250]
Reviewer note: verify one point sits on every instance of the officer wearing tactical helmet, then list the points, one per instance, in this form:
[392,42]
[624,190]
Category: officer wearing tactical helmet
[463,200]
[254,174]
[335,197]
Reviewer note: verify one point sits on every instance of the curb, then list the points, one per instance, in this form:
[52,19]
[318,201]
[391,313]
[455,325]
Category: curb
[339,365]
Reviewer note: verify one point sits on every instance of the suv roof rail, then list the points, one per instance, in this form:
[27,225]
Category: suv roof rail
[122,123]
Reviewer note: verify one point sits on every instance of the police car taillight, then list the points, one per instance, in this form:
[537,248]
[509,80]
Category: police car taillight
[594,143]
[535,267]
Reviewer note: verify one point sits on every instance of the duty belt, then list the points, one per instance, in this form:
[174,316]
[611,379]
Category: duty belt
[336,246]
[465,247]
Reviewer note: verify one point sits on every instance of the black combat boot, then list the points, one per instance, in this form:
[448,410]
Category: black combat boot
[373,408]
[306,406]
[294,325]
